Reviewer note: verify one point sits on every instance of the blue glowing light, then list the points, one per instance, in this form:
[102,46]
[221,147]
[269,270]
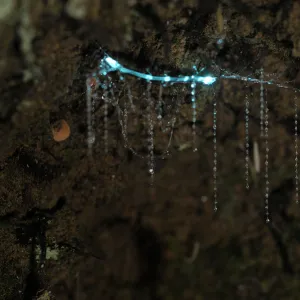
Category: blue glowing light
[209,80]
[113,63]
[108,64]
[148,77]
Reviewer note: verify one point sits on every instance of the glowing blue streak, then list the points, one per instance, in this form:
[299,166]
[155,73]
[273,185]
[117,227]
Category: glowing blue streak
[108,64]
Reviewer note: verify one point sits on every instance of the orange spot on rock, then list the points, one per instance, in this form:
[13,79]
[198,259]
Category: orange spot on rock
[60,130]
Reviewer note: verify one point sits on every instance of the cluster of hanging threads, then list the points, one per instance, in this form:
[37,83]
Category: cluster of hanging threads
[215,154]
[267,159]
[193,92]
[296,152]
[150,133]
[159,104]
[261,103]
[170,124]
[123,116]
[247,141]
[161,107]
[129,107]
